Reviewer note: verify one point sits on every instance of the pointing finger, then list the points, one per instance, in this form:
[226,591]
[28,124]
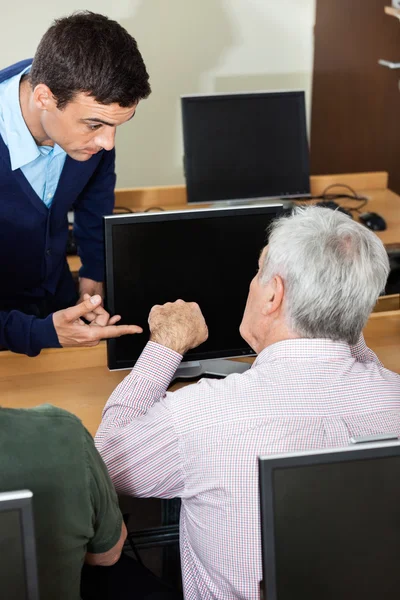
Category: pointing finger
[114,331]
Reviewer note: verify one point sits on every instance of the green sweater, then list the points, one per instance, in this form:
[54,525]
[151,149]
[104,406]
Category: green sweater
[48,451]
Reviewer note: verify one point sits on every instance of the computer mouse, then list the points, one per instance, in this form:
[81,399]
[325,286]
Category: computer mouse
[373,221]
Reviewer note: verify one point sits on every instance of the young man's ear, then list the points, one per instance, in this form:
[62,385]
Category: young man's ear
[273,295]
[43,98]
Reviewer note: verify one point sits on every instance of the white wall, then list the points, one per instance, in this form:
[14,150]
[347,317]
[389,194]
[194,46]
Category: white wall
[189,46]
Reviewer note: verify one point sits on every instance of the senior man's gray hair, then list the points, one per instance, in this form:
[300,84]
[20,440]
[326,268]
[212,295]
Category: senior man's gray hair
[333,271]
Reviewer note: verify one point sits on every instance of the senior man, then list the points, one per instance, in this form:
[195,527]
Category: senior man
[313,385]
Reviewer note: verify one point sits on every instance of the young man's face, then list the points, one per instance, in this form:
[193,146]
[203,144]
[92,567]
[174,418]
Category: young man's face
[83,127]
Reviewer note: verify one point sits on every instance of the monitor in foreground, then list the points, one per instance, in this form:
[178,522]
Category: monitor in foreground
[244,146]
[18,568]
[331,523]
[203,256]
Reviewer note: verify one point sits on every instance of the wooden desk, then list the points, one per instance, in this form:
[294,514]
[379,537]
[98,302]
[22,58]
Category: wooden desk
[78,380]
[371,185]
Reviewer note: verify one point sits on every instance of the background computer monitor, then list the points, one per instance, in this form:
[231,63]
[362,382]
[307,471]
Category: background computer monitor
[207,256]
[18,568]
[331,524]
[245,145]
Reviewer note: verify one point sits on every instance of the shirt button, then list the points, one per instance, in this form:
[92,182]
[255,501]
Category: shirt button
[49,196]
[48,252]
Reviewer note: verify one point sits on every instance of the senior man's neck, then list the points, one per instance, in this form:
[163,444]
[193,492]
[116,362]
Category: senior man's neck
[275,334]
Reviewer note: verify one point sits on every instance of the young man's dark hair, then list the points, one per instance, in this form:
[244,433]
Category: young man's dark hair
[88,52]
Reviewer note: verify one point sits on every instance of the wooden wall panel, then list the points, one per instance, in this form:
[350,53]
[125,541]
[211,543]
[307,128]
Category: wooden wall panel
[355,124]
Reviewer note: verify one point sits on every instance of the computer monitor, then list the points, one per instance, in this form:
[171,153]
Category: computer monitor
[206,256]
[245,146]
[331,523]
[18,568]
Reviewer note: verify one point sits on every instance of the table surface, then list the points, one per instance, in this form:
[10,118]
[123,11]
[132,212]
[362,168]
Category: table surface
[77,379]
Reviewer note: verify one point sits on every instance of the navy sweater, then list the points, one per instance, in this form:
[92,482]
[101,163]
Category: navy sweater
[33,238]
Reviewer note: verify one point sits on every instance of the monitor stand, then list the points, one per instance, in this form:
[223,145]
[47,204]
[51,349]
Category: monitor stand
[216,367]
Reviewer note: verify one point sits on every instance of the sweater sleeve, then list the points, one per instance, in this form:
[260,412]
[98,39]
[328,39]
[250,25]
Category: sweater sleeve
[106,515]
[26,334]
[95,201]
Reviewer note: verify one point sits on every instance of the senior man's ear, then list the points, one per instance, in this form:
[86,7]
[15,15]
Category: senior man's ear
[274,292]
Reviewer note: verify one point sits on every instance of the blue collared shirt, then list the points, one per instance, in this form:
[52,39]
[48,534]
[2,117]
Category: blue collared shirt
[41,165]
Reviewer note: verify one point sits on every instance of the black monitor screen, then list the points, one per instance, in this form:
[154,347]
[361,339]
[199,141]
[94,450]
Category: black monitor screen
[203,256]
[336,531]
[12,556]
[242,146]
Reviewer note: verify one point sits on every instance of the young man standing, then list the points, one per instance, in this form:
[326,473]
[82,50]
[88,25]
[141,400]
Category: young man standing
[58,119]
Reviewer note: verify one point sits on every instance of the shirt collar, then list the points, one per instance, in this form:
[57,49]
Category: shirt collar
[21,144]
[304,349]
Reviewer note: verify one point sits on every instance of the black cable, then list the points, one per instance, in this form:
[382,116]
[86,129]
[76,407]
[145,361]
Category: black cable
[133,548]
[155,209]
[332,185]
[354,196]
[122,209]
[129,541]
[125,209]
[325,197]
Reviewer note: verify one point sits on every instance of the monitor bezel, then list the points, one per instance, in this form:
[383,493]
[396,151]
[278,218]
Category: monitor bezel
[267,465]
[190,191]
[21,501]
[183,214]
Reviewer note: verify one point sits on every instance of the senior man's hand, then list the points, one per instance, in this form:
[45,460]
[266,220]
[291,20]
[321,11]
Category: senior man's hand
[178,325]
[73,331]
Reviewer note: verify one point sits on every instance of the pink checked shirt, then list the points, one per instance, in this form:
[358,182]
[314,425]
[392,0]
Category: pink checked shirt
[201,442]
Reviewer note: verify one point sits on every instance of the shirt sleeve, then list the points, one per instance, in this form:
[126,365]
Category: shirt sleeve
[362,353]
[137,437]
[26,334]
[94,202]
[106,515]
